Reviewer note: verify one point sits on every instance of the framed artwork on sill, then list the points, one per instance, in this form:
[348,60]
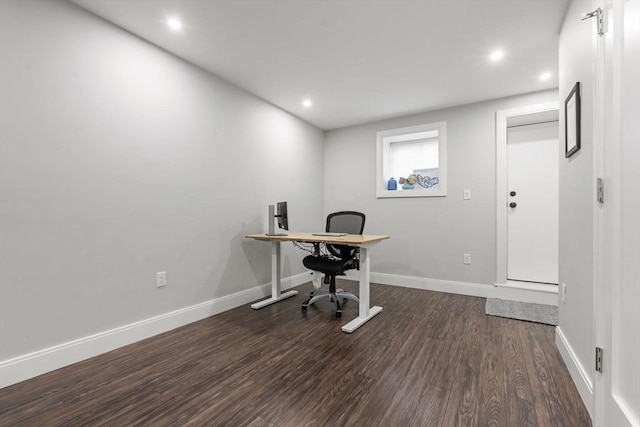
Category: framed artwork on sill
[572,122]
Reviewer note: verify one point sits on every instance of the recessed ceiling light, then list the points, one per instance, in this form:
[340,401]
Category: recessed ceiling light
[307,103]
[496,55]
[174,24]
[545,76]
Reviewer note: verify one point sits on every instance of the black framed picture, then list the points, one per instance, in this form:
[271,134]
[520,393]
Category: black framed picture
[572,121]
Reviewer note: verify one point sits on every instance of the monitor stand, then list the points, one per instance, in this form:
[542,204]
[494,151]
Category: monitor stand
[272,218]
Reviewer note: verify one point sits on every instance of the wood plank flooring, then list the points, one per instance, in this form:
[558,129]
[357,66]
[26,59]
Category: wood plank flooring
[428,359]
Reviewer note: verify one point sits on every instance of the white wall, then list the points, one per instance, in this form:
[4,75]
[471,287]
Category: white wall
[428,235]
[119,160]
[576,203]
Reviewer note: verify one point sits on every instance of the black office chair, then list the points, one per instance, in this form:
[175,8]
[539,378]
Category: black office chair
[340,259]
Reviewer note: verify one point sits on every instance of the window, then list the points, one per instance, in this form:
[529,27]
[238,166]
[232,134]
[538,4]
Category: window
[412,162]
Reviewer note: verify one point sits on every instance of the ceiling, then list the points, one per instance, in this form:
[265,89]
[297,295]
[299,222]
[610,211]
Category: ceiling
[357,60]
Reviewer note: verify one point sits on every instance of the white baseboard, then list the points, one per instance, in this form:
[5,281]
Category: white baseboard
[31,365]
[538,293]
[578,373]
[462,288]
[514,291]
[28,366]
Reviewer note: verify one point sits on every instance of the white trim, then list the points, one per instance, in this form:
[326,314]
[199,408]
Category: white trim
[30,365]
[501,180]
[514,291]
[600,307]
[452,287]
[49,359]
[538,293]
[578,373]
[461,288]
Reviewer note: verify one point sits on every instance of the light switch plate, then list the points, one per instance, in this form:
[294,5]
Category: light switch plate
[161,279]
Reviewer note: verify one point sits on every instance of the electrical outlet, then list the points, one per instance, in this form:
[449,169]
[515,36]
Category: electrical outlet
[161,279]
[467,258]
[563,292]
[466,194]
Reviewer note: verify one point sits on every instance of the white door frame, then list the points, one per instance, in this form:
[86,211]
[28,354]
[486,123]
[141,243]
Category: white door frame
[613,405]
[530,292]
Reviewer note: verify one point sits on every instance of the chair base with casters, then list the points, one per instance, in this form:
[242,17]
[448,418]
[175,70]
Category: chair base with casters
[336,295]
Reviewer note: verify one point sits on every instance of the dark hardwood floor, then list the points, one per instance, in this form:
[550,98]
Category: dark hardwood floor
[429,359]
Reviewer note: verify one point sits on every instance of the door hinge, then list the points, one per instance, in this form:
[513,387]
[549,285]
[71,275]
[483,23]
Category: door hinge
[599,15]
[599,359]
[600,190]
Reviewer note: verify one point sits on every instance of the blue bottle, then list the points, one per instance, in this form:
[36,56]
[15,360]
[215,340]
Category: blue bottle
[392,184]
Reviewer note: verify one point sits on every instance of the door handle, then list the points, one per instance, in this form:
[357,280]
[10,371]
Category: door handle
[512,205]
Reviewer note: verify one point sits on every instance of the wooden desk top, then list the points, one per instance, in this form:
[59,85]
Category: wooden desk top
[349,239]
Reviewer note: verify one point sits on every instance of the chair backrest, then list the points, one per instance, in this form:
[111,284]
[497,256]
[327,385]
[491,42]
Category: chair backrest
[350,222]
[345,222]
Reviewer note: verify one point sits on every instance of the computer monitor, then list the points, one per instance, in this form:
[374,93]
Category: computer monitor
[280,212]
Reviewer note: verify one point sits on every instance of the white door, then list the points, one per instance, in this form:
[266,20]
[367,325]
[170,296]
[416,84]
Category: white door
[617,288]
[532,203]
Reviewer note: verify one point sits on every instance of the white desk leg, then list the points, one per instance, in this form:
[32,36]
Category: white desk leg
[366,313]
[276,280]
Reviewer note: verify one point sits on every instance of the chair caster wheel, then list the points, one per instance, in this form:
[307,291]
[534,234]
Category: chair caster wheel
[338,314]
[304,309]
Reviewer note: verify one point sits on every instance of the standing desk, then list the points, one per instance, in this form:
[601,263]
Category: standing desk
[364,242]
